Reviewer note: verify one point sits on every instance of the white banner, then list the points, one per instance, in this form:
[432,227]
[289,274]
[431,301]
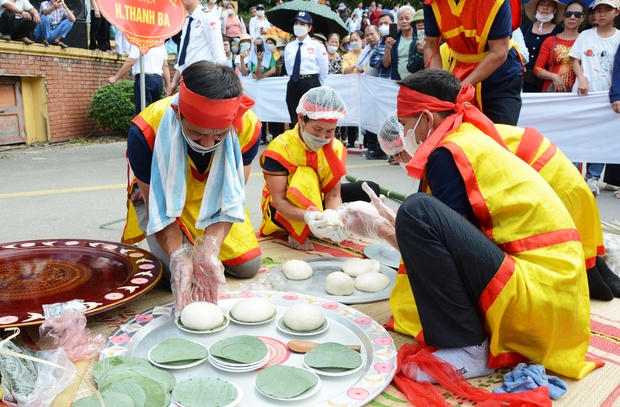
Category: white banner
[585,128]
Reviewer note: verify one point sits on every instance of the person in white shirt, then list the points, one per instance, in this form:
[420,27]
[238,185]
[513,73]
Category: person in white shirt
[259,24]
[155,67]
[313,63]
[18,20]
[203,44]
[359,11]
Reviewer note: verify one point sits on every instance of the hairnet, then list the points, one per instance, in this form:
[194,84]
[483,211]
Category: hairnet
[390,135]
[322,103]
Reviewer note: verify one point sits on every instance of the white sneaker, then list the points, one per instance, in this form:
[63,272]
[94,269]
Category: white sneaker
[592,183]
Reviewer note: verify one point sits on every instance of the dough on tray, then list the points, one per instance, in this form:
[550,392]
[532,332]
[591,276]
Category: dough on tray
[297,270]
[339,283]
[355,267]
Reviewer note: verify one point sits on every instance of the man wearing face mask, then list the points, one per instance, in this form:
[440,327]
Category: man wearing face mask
[191,155]
[501,224]
[306,63]
[303,168]
[259,24]
[201,40]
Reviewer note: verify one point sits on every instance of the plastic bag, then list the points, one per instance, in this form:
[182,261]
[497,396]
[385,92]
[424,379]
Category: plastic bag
[28,383]
[69,332]
[266,282]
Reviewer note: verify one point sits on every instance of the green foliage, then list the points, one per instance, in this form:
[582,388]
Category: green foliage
[113,107]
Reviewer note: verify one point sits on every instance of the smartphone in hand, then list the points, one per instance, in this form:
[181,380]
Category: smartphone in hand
[260,47]
[421,36]
[393,30]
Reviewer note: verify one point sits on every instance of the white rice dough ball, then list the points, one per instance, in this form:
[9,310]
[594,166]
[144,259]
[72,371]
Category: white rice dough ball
[201,316]
[332,218]
[303,317]
[339,283]
[297,270]
[252,310]
[355,267]
[372,282]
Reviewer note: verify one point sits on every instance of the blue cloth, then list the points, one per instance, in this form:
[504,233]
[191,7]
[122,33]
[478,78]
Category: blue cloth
[224,194]
[530,377]
[44,29]
[614,92]
[267,56]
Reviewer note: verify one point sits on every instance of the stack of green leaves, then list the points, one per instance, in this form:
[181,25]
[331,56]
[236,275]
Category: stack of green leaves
[242,349]
[285,382]
[204,392]
[130,382]
[177,351]
[333,357]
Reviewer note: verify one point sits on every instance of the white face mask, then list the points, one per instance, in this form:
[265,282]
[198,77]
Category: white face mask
[332,48]
[384,30]
[244,46]
[271,47]
[355,45]
[197,147]
[409,142]
[314,143]
[260,13]
[230,12]
[543,18]
[300,30]
[212,1]
[225,3]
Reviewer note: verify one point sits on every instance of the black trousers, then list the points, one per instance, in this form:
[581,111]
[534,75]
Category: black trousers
[449,263]
[371,141]
[17,28]
[99,33]
[294,92]
[153,87]
[501,102]
[612,174]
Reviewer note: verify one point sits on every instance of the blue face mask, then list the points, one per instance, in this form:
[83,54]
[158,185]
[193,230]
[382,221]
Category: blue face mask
[244,47]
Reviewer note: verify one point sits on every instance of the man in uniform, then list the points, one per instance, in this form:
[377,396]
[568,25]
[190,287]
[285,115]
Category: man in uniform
[306,63]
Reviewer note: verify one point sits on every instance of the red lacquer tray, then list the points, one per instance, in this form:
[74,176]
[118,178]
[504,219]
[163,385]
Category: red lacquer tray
[103,274]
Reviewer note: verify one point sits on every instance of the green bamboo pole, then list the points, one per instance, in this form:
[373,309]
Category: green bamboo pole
[390,194]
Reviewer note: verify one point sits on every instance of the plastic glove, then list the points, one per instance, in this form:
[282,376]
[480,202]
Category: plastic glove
[383,209]
[325,225]
[362,219]
[182,271]
[208,270]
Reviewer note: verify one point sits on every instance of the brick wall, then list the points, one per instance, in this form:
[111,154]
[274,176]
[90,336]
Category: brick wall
[72,76]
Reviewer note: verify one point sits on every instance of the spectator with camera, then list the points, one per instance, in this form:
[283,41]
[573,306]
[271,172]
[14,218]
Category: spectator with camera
[56,22]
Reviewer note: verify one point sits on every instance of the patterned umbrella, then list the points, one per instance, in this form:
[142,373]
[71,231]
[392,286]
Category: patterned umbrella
[324,20]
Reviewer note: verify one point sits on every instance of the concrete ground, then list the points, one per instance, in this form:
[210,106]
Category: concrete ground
[78,191]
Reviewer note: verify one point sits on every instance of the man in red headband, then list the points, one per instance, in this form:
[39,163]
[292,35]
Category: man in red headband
[490,251]
[191,155]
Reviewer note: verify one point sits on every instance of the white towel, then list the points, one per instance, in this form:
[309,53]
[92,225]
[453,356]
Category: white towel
[224,194]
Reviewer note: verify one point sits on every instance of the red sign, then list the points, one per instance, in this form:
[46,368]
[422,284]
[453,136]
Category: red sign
[146,23]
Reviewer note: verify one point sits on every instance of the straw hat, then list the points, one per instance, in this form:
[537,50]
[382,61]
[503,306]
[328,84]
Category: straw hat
[532,5]
[270,37]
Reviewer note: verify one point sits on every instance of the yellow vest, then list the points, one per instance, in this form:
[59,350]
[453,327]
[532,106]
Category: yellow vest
[537,306]
[241,243]
[310,175]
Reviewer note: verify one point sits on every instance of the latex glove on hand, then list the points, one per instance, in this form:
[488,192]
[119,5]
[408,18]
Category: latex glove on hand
[182,272]
[325,225]
[208,270]
[383,209]
[363,220]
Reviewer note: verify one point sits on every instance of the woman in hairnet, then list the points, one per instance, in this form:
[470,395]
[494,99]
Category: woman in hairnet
[303,168]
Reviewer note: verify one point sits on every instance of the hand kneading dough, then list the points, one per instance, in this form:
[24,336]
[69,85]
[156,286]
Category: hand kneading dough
[355,267]
[201,316]
[332,218]
[296,270]
[339,283]
[303,317]
[372,282]
[252,310]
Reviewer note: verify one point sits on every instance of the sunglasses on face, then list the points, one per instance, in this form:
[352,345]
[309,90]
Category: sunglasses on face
[569,14]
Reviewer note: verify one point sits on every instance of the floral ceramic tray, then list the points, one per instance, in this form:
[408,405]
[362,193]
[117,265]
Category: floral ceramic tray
[38,272]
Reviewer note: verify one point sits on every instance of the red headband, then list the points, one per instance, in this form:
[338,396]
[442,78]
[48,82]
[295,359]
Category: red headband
[412,103]
[212,113]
